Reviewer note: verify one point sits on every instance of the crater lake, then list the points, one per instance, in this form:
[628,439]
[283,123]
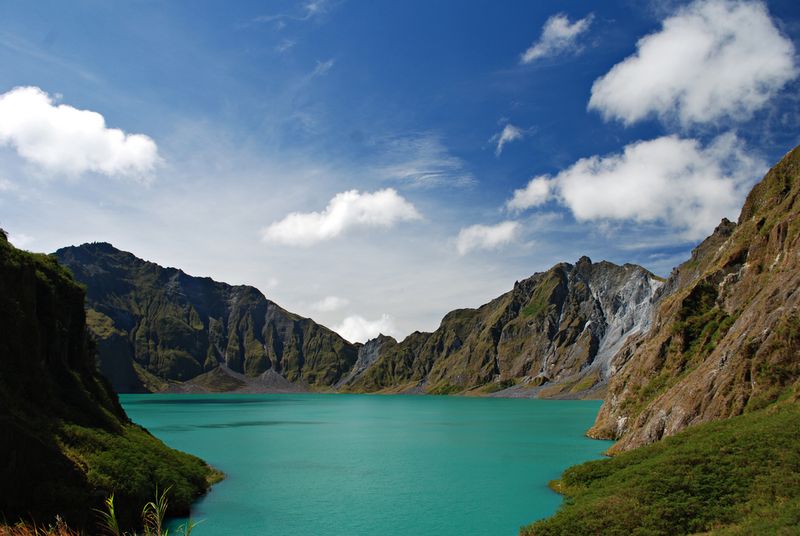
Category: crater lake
[343,465]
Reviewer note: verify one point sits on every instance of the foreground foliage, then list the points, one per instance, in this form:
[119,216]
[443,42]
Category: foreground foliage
[737,476]
[66,441]
[152,520]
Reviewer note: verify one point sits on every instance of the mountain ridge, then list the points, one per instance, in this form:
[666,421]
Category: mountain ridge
[157,327]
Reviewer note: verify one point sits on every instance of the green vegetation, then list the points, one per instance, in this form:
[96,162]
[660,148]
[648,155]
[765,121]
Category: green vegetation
[540,301]
[156,325]
[445,389]
[153,516]
[737,476]
[498,386]
[66,440]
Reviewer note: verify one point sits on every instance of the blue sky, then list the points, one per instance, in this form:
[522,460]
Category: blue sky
[345,157]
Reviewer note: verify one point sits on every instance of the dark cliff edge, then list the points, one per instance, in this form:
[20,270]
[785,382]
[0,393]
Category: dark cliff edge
[67,443]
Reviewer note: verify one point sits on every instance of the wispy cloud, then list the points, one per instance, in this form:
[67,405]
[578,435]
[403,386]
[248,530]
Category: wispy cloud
[322,68]
[713,59]
[26,48]
[423,161]
[329,304]
[284,46]
[309,11]
[507,135]
[559,36]
[345,211]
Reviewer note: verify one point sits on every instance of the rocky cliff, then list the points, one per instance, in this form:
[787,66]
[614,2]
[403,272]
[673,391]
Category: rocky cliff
[554,332]
[726,336]
[66,442]
[154,324]
[553,335]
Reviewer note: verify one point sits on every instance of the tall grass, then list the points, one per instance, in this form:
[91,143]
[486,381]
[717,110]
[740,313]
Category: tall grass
[153,516]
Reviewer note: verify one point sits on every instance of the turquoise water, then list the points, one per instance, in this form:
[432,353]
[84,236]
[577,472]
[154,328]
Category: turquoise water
[345,465]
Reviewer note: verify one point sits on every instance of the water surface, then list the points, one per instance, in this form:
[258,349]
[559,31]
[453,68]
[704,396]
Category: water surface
[344,465]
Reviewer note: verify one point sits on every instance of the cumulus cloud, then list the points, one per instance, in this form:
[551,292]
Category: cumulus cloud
[669,179]
[536,193]
[356,328]
[345,211]
[559,35]
[712,59]
[329,304]
[486,236]
[507,135]
[65,140]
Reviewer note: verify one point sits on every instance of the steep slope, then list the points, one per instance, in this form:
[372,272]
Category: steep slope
[557,328]
[734,476]
[66,442]
[154,324]
[726,336]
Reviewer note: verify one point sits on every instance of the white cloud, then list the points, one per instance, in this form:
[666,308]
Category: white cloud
[713,59]
[345,211]
[486,236]
[356,328]
[536,193]
[558,36]
[65,140]
[423,161]
[507,135]
[670,180]
[329,304]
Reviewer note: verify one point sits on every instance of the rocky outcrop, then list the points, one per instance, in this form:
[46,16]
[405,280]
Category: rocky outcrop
[66,442]
[154,323]
[555,331]
[726,335]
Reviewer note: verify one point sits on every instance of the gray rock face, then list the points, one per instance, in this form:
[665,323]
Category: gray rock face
[555,328]
[368,353]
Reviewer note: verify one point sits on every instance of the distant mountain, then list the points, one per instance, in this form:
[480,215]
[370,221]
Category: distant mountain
[726,336]
[555,331]
[66,442]
[156,325]
[161,329]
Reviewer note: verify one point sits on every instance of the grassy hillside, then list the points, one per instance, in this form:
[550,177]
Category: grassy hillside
[726,335]
[66,442]
[736,476]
